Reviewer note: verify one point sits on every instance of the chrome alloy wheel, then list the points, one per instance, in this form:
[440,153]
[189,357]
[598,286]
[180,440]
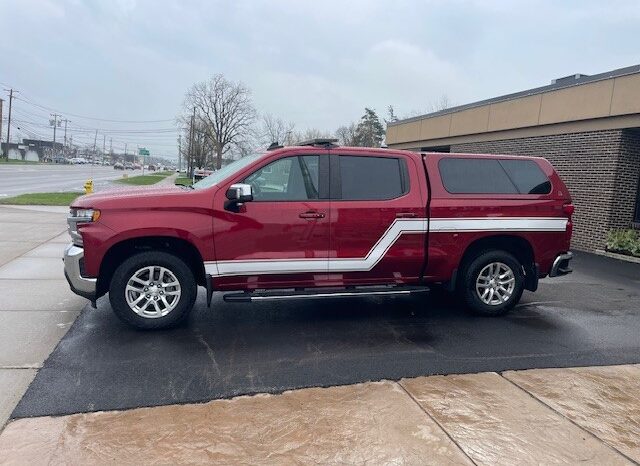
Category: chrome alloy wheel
[153,292]
[495,283]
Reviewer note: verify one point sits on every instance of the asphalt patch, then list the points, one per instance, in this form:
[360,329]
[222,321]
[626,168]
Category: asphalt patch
[235,349]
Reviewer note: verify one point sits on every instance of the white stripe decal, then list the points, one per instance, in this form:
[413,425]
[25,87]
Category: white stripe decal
[397,228]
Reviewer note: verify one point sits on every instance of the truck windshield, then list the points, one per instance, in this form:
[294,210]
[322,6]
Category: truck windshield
[225,172]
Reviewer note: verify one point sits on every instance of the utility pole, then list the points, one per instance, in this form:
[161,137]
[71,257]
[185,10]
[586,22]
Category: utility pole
[111,149]
[104,145]
[6,151]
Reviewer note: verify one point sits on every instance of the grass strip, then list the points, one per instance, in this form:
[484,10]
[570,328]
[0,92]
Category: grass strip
[140,180]
[64,198]
[184,181]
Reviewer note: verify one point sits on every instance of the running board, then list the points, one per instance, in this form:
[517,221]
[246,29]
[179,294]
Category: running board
[252,296]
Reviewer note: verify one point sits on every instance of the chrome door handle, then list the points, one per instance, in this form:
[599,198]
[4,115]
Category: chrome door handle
[311,214]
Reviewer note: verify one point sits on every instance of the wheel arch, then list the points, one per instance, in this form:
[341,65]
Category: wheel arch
[178,247]
[516,245]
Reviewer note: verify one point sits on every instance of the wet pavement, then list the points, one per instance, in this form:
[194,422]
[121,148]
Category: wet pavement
[484,419]
[591,317]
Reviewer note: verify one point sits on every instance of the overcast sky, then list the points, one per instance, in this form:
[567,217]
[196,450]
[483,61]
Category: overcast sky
[316,63]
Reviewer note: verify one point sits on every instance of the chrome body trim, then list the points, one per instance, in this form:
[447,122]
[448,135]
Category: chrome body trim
[563,259]
[83,286]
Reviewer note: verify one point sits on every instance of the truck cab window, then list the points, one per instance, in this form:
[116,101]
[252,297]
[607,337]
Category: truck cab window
[286,179]
[386,178]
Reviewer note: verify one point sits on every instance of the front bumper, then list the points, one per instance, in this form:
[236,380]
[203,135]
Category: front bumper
[82,286]
[561,265]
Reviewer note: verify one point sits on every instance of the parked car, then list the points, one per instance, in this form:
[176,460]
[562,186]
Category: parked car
[320,220]
[129,166]
[118,166]
[152,168]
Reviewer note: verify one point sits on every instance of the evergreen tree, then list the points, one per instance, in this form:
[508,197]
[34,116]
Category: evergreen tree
[369,132]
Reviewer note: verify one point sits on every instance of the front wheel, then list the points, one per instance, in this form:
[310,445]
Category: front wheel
[152,290]
[492,283]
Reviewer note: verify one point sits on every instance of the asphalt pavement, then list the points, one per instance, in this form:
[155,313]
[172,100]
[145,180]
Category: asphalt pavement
[20,179]
[589,318]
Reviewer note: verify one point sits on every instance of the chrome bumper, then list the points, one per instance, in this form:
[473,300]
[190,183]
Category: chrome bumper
[85,287]
[561,265]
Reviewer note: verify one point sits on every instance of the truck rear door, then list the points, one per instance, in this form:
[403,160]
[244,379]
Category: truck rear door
[378,218]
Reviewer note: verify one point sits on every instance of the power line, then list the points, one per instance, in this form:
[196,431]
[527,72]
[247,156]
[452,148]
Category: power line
[155,136]
[50,109]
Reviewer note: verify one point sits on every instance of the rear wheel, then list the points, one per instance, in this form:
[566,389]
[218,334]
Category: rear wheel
[152,290]
[492,283]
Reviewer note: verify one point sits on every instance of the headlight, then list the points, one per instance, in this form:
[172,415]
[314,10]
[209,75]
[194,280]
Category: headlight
[86,215]
[79,216]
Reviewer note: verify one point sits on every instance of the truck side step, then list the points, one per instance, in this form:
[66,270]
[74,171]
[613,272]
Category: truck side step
[272,295]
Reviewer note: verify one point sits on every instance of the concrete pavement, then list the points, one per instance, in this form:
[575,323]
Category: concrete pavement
[543,416]
[36,308]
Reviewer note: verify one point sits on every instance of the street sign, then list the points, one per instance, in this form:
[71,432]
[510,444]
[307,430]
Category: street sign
[143,151]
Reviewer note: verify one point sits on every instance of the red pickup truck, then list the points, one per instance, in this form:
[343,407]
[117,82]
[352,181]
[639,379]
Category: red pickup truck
[321,220]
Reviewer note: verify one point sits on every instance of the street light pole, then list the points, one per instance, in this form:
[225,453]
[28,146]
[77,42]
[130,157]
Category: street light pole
[55,125]
[64,149]
[179,152]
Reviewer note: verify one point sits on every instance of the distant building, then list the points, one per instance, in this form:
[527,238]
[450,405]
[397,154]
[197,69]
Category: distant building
[587,126]
[35,150]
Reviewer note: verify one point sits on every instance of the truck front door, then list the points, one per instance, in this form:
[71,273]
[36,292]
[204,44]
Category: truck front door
[281,238]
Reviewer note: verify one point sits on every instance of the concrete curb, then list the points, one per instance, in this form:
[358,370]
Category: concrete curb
[622,257]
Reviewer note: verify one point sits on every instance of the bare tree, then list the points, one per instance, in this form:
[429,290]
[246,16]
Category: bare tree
[441,103]
[274,129]
[309,133]
[347,135]
[391,114]
[224,113]
[437,105]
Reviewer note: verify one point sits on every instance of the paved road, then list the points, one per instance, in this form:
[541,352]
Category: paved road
[591,317]
[20,179]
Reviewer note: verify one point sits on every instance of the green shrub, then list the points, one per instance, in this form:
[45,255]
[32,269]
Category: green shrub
[624,242]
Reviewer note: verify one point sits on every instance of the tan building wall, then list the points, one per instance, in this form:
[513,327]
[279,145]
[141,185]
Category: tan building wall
[610,103]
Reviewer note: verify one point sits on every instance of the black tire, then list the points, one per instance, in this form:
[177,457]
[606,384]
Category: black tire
[184,275]
[470,272]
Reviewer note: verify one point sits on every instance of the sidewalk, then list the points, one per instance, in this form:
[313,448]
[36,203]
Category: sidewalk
[541,416]
[37,307]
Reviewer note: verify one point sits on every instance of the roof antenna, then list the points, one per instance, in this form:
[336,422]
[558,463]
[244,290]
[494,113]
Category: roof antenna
[274,146]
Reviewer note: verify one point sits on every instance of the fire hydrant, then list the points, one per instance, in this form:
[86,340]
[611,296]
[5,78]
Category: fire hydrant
[88,186]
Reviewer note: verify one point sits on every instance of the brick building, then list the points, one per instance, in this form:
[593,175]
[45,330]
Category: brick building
[588,127]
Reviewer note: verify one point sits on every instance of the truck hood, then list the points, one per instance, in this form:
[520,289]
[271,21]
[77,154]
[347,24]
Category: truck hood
[131,197]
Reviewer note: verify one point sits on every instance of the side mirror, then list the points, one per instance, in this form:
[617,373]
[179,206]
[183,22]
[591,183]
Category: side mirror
[237,194]
[240,192]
